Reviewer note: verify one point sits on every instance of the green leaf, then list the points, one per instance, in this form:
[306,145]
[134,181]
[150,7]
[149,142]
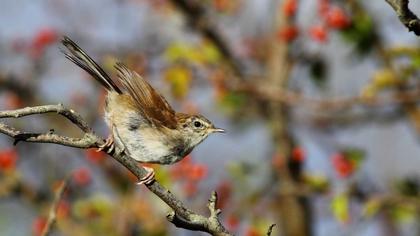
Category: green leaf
[371,207]
[179,77]
[233,100]
[97,205]
[361,33]
[317,182]
[209,52]
[416,61]
[203,53]
[404,212]
[355,155]
[408,186]
[340,207]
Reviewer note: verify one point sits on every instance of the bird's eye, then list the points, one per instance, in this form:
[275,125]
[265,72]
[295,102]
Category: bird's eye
[197,124]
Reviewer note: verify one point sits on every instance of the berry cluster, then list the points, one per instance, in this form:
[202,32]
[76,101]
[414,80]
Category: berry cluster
[331,18]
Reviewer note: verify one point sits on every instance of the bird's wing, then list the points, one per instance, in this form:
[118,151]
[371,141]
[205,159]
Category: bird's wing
[151,105]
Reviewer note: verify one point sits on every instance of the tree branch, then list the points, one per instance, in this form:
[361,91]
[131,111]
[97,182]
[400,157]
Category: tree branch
[53,211]
[292,98]
[180,213]
[200,223]
[406,16]
[270,229]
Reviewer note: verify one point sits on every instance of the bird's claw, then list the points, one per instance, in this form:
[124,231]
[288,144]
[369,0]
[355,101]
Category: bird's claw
[108,146]
[148,178]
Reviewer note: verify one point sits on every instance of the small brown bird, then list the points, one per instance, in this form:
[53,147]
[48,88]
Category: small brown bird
[142,122]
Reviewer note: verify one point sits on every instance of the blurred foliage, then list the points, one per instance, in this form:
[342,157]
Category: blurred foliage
[102,198]
[361,33]
[340,207]
[318,71]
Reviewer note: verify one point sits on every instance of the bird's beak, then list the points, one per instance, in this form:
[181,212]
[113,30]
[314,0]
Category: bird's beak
[217,130]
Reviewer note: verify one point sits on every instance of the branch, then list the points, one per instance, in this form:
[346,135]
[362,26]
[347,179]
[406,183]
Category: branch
[210,224]
[53,211]
[198,225]
[270,229]
[292,98]
[407,17]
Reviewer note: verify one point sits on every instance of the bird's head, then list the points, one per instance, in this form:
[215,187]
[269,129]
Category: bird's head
[196,128]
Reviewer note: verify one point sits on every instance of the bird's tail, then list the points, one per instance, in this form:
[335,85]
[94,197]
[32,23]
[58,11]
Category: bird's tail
[75,54]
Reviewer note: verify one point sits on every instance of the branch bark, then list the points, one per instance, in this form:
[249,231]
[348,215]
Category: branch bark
[180,213]
[199,224]
[406,16]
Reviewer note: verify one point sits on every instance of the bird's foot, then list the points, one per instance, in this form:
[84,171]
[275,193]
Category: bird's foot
[148,178]
[108,146]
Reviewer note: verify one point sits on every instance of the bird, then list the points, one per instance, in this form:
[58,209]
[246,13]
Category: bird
[142,123]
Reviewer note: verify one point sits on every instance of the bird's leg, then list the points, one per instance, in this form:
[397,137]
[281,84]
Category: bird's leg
[117,141]
[111,142]
[108,146]
[148,178]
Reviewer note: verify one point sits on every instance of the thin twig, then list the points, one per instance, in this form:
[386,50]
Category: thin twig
[270,229]
[59,109]
[91,140]
[53,211]
[199,224]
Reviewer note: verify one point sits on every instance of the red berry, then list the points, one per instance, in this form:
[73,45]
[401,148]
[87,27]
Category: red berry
[298,154]
[82,176]
[95,156]
[13,101]
[289,7]
[288,33]
[182,169]
[232,222]
[278,161]
[176,172]
[318,33]
[342,165]
[42,38]
[337,18]
[190,188]
[252,232]
[222,5]
[197,172]
[38,225]
[63,209]
[8,159]
[224,191]
[323,7]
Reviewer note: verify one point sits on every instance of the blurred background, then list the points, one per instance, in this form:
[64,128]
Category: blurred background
[318,97]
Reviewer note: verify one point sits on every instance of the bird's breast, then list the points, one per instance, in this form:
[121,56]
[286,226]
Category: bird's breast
[143,142]
[148,144]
